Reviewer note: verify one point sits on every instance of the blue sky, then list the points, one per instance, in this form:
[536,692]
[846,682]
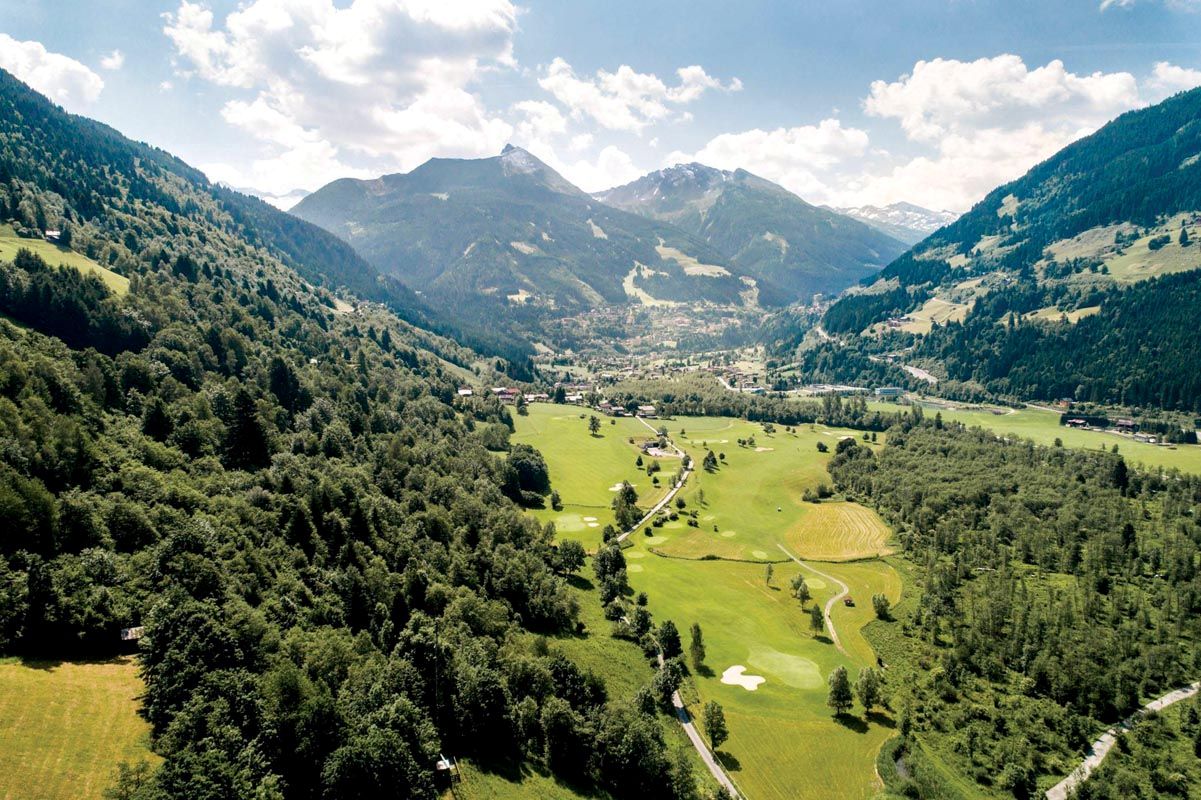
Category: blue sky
[846,103]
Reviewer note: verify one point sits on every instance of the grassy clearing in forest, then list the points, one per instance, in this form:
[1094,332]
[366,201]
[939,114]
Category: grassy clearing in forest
[65,726]
[58,256]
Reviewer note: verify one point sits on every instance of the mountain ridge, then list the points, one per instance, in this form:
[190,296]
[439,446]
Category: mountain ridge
[762,228]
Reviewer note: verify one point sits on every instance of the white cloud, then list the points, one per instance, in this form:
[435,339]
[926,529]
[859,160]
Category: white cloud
[792,157]
[945,96]
[612,167]
[64,80]
[330,88]
[113,61]
[1168,79]
[969,126]
[626,100]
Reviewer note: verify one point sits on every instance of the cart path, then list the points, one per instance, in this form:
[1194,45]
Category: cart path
[685,719]
[829,603]
[667,498]
[1101,747]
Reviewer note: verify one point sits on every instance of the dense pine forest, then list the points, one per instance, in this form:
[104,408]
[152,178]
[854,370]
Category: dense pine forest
[1057,591]
[319,537]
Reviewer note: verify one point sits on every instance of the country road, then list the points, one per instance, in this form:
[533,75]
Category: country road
[716,769]
[1101,747]
[829,603]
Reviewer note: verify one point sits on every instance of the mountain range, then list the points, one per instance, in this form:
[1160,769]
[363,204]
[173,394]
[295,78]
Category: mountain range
[762,229]
[510,231]
[904,221]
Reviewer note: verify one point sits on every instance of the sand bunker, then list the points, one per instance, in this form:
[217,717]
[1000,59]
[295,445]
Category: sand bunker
[589,519]
[758,554]
[617,487]
[734,677]
[593,524]
[764,449]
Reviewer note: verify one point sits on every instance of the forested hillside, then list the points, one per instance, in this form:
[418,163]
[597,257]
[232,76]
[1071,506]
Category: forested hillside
[318,535]
[1057,591]
[1105,227]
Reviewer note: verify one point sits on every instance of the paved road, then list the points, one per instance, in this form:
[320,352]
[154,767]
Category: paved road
[1102,746]
[667,498]
[716,769]
[829,603]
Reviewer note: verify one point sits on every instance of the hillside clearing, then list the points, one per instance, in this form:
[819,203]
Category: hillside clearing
[65,726]
[57,256]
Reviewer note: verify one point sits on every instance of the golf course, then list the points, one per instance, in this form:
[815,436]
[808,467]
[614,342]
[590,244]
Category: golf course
[765,665]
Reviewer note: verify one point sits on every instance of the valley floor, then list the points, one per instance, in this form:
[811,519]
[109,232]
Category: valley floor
[784,741]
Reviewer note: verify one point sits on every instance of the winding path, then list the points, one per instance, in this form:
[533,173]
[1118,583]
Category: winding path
[1101,747]
[685,719]
[829,603]
[667,498]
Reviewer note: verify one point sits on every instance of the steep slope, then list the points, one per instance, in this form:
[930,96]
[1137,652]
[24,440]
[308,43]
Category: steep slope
[509,230]
[315,533]
[763,229]
[1075,280]
[905,222]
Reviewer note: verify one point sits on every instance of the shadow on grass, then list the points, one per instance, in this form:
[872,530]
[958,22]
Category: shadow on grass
[705,671]
[851,722]
[50,664]
[883,720]
[515,771]
[728,761]
[580,582]
[823,638]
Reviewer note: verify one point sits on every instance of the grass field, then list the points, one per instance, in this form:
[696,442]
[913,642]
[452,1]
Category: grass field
[1043,427]
[784,742]
[57,256]
[585,468]
[64,727]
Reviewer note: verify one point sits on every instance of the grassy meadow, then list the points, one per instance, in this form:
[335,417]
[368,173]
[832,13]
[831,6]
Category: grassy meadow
[784,742]
[1043,428]
[57,256]
[64,727]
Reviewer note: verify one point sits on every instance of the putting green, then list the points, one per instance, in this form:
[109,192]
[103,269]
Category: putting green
[798,671]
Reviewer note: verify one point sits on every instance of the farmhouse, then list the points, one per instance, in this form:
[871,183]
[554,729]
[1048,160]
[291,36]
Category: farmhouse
[646,411]
[465,392]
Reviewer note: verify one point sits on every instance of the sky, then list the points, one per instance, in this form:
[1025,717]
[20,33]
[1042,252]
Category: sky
[846,103]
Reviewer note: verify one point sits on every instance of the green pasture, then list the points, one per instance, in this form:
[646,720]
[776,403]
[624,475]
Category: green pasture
[585,468]
[58,256]
[65,726]
[1043,428]
[784,741]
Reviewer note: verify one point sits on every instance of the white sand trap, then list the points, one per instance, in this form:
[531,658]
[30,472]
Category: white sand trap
[589,519]
[593,524]
[758,554]
[617,487]
[734,677]
[728,534]
[764,449]
[634,568]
